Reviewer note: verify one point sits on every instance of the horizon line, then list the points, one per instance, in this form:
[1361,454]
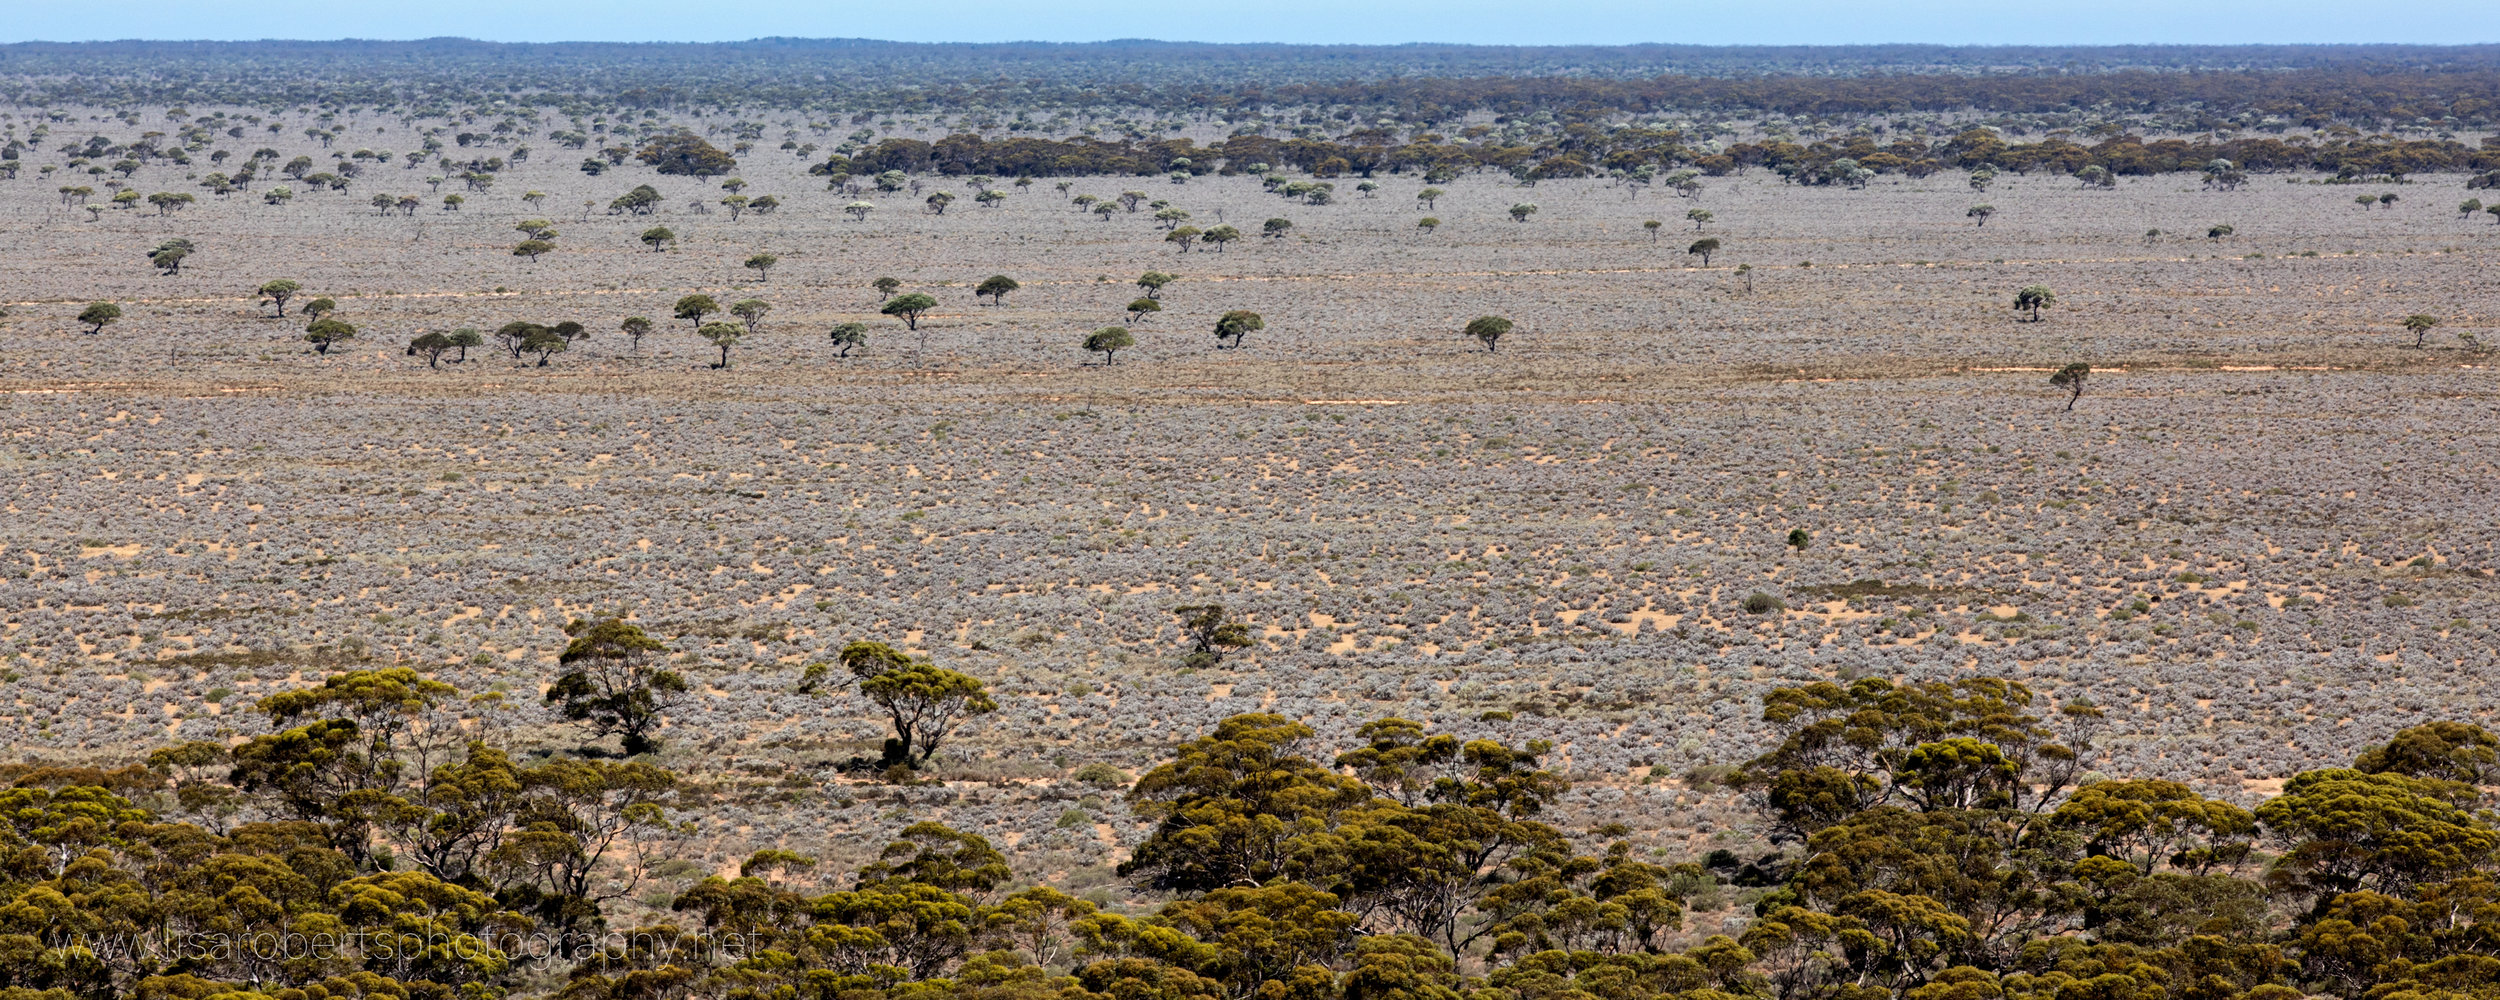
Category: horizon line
[1132,40]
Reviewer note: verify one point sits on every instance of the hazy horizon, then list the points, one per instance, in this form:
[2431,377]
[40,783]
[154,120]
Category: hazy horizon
[1607,22]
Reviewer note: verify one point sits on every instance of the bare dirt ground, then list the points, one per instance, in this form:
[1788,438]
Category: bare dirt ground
[2262,539]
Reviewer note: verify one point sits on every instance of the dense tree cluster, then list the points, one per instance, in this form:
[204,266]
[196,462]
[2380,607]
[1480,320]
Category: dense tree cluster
[1584,151]
[1937,841]
[379,842]
[1939,847]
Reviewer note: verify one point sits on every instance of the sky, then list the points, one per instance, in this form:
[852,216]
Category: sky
[1514,22]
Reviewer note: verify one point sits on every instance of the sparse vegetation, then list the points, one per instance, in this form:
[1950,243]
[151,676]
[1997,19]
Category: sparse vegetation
[1662,660]
[1109,341]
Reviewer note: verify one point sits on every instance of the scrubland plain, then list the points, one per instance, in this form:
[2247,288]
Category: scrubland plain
[2261,540]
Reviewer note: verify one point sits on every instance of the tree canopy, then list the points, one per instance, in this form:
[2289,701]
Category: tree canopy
[615,681]
[1937,840]
[1489,330]
[909,308]
[686,154]
[1109,341]
[1237,325]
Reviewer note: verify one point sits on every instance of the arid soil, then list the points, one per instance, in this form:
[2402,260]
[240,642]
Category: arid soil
[2261,539]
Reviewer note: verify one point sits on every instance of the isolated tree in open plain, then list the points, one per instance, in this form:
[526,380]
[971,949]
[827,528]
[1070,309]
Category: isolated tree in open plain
[1520,212]
[1703,248]
[658,238]
[859,210]
[642,200]
[1429,196]
[2421,325]
[1236,325]
[750,311]
[1489,330]
[909,308]
[1183,236]
[1210,634]
[1428,224]
[99,315]
[762,265]
[920,698]
[1699,217]
[723,336]
[2071,379]
[1979,214]
[693,308]
[433,346]
[847,336]
[995,288]
[326,333]
[465,338]
[635,328]
[531,250]
[886,287]
[1153,282]
[276,291]
[1220,236]
[1109,340]
[169,255]
[2033,298]
[615,682]
[1139,307]
[1275,228]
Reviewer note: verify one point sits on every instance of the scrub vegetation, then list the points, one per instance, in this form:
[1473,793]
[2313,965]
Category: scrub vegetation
[494,528]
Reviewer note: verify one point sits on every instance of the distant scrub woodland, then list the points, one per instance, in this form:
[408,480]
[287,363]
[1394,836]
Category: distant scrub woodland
[2353,83]
[1936,841]
[1361,110]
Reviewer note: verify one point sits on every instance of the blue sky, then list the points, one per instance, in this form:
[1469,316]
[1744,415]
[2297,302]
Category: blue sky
[1320,21]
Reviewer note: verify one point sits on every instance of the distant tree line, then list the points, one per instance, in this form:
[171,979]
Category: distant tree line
[1588,152]
[2308,86]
